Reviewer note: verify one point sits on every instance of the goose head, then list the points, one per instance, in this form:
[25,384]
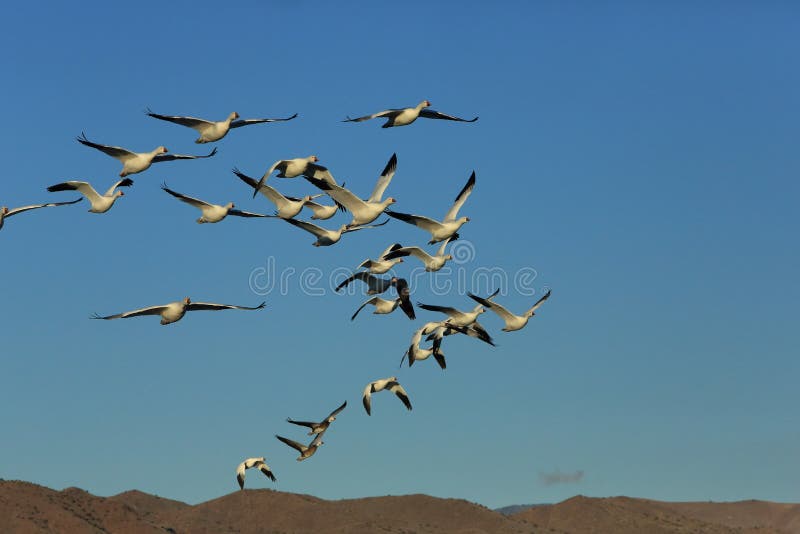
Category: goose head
[161,150]
[187,301]
[389,201]
[4,210]
[313,159]
[425,104]
[448,257]
[229,206]
[233,116]
[119,193]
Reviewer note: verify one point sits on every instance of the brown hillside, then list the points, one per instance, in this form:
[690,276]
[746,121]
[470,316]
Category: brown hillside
[784,517]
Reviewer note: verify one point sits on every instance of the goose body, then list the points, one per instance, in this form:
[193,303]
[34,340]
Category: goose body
[457,317]
[211,131]
[363,211]
[447,228]
[432,263]
[135,162]
[406,116]
[212,213]
[513,322]
[382,306]
[306,451]
[321,211]
[390,384]
[325,237]
[174,311]
[249,464]
[292,168]
[382,264]
[322,426]
[5,212]
[100,203]
[287,207]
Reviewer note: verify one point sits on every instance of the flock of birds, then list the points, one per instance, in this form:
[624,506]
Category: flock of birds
[364,213]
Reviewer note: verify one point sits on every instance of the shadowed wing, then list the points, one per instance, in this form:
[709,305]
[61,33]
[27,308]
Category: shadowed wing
[384,179]
[172,157]
[209,306]
[246,122]
[293,444]
[152,310]
[431,114]
[191,122]
[461,198]
[113,151]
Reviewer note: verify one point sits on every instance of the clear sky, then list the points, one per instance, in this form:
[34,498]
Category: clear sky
[639,159]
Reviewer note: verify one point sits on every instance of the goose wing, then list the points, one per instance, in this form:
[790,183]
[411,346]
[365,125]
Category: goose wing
[172,157]
[209,306]
[361,275]
[404,293]
[240,213]
[452,312]
[240,474]
[425,223]
[308,227]
[196,202]
[539,302]
[366,399]
[389,249]
[270,192]
[320,173]
[309,424]
[339,194]
[461,198]
[37,206]
[151,310]
[73,185]
[293,444]
[264,468]
[363,227]
[338,410]
[431,114]
[247,122]
[114,151]
[373,300]
[191,122]
[409,251]
[492,305]
[125,182]
[398,390]
[384,179]
[384,113]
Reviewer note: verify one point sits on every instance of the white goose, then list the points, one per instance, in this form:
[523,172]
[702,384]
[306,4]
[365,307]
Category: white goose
[321,211]
[6,213]
[375,285]
[414,352]
[288,207]
[405,116]
[211,131]
[513,322]
[306,451]
[382,306]
[391,384]
[457,317]
[446,229]
[100,203]
[250,463]
[212,213]
[328,237]
[174,311]
[292,168]
[382,264]
[364,211]
[432,263]
[319,428]
[133,162]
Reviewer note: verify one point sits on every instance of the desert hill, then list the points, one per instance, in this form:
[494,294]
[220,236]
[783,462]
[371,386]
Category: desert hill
[27,508]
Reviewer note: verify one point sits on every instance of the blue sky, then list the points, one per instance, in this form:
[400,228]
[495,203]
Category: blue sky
[640,160]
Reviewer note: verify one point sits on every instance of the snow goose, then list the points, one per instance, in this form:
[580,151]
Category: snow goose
[319,428]
[414,352]
[375,285]
[211,131]
[404,294]
[306,451]
[174,311]
[382,264]
[100,203]
[364,211]
[5,212]
[212,213]
[133,162]
[449,226]
[457,317]
[250,463]
[328,237]
[382,306]
[292,168]
[391,384]
[513,322]
[475,330]
[405,116]
[432,263]
[288,207]
[321,211]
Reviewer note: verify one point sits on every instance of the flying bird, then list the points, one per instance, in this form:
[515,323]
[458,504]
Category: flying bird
[133,162]
[328,237]
[405,116]
[391,384]
[382,264]
[321,211]
[6,213]
[211,131]
[446,229]
[364,211]
[288,207]
[174,311]
[319,428]
[292,168]
[250,463]
[382,306]
[513,322]
[306,451]
[432,263]
[212,213]
[404,294]
[375,285]
[414,352]
[100,203]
